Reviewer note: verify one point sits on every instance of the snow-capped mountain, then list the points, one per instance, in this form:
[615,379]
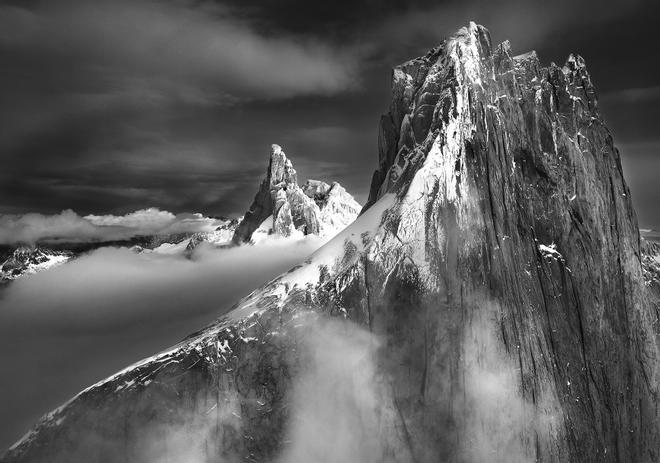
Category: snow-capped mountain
[221,236]
[497,261]
[283,208]
[27,260]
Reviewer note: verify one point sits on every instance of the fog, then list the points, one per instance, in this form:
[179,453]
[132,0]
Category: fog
[501,425]
[341,410]
[336,401]
[71,326]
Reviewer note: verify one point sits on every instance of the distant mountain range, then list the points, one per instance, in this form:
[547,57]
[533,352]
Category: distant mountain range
[497,267]
[281,208]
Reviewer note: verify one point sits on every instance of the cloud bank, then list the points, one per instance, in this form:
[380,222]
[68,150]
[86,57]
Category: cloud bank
[76,324]
[69,226]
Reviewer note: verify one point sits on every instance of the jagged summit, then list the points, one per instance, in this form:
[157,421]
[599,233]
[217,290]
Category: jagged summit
[458,62]
[282,207]
[498,261]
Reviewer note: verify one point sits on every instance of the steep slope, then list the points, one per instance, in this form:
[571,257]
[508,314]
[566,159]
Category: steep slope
[498,261]
[316,208]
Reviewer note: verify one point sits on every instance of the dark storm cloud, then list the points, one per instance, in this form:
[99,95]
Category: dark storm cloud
[154,51]
[116,106]
[103,91]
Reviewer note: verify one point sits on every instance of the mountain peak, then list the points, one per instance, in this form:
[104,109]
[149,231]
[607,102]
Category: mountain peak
[435,89]
[275,149]
[282,207]
[497,261]
[280,168]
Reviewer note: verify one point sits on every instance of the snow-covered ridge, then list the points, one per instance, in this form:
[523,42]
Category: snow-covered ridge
[26,260]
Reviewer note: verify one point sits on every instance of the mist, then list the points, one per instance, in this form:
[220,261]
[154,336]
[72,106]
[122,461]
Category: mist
[502,425]
[336,405]
[71,326]
[341,408]
[335,400]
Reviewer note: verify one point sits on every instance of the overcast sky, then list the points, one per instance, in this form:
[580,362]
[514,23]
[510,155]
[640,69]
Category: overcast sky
[110,106]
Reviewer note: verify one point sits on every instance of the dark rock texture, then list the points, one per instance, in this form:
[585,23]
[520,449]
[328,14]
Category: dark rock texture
[498,262]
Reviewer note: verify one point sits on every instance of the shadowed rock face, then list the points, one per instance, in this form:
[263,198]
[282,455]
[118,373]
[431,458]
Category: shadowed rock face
[498,262]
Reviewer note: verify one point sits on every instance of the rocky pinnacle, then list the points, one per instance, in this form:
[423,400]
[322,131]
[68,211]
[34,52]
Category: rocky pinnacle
[497,266]
[292,208]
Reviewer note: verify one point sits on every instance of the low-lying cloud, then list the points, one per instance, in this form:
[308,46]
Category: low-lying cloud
[71,326]
[69,226]
[336,403]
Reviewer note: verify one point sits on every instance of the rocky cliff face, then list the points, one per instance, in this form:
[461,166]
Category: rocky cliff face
[498,262]
[288,208]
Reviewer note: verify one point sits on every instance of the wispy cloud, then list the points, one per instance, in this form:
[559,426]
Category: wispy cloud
[526,23]
[190,51]
[113,104]
[632,95]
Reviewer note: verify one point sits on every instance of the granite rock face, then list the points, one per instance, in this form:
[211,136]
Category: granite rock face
[293,209]
[498,263]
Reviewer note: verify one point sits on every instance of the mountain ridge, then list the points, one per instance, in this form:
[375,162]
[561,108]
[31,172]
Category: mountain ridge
[498,257]
[315,208]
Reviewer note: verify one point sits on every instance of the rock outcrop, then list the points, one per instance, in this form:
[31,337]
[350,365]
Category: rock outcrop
[294,209]
[221,236]
[27,260]
[498,262]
